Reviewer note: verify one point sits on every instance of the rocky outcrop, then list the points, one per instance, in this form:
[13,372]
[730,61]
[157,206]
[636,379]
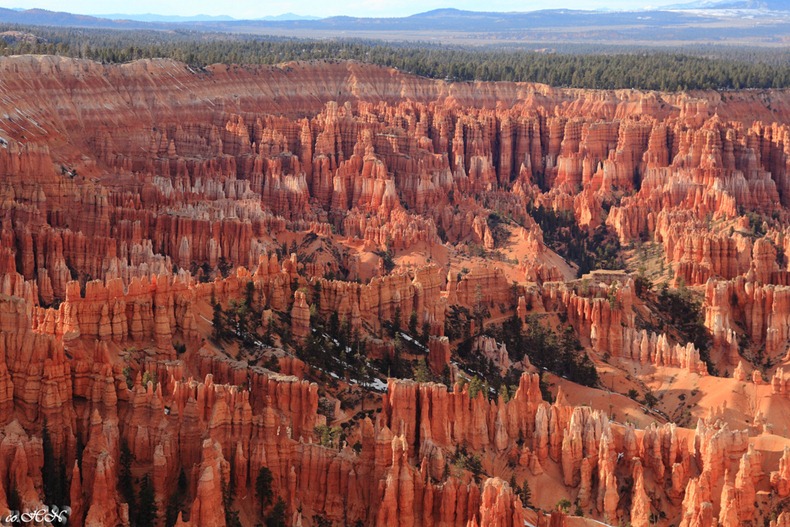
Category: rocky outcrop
[438,354]
[213,473]
[453,418]
[300,316]
[499,507]
[378,301]
[760,306]
[656,349]
[780,479]
[135,197]
[488,348]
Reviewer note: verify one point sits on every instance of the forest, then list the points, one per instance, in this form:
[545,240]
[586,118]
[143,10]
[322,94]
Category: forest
[574,66]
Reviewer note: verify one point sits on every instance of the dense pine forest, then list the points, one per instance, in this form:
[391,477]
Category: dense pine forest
[576,66]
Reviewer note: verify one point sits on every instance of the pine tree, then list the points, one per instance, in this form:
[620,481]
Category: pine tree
[421,371]
[277,516]
[224,266]
[525,493]
[218,321]
[263,487]
[396,321]
[333,327]
[53,472]
[177,500]
[321,521]
[426,333]
[146,512]
[231,324]
[249,294]
[413,324]
[231,514]
[475,387]
[125,482]
[317,298]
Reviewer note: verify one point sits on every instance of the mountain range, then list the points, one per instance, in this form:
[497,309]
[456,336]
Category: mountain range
[150,17]
[760,21]
[775,5]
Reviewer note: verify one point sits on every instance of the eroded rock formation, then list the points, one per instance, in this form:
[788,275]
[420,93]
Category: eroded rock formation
[168,250]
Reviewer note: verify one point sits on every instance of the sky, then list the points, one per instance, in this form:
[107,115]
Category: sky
[322,8]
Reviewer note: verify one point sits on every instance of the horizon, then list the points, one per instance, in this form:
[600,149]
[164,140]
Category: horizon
[379,8]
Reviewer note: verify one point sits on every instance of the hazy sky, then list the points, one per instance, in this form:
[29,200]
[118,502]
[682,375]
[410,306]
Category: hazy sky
[258,8]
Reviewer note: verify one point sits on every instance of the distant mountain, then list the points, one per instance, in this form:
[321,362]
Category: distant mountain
[42,17]
[150,17]
[495,22]
[773,5]
[289,16]
[693,21]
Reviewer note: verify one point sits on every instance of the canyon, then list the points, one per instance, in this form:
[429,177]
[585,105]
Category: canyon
[314,270]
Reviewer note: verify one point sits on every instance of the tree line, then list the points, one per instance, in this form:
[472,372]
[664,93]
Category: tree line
[666,69]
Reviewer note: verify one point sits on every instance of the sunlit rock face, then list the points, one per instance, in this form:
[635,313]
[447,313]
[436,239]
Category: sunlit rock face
[179,249]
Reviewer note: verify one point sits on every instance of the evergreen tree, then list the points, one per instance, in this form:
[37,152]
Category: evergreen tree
[413,324]
[396,322]
[244,321]
[426,333]
[572,65]
[249,294]
[480,311]
[277,516]
[316,304]
[177,500]
[205,269]
[475,387]
[53,472]
[421,371]
[263,487]
[231,319]
[224,266]
[218,321]
[146,510]
[523,492]
[333,328]
[80,449]
[231,514]
[321,521]
[125,481]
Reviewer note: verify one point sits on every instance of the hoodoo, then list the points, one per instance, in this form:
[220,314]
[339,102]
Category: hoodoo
[331,293]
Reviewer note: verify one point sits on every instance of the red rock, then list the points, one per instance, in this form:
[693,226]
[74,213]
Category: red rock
[104,508]
[300,316]
[438,354]
[499,507]
[368,159]
[208,509]
[640,502]
[780,479]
